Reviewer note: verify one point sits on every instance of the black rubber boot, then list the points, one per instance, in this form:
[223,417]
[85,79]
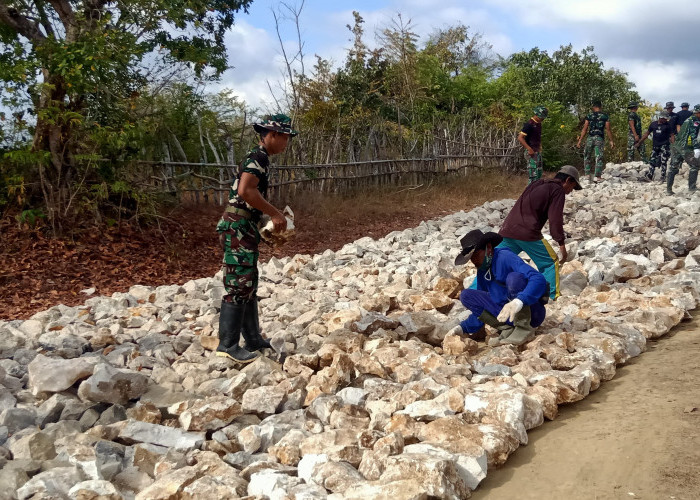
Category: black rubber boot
[230,322]
[251,328]
[692,180]
[669,181]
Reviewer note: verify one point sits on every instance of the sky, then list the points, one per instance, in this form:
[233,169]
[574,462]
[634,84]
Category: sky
[641,38]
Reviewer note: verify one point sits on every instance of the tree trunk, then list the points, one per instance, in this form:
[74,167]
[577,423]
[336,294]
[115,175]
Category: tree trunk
[52,135]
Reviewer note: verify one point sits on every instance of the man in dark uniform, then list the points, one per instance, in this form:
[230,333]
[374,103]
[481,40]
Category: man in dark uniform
[596,124]
[531,139]
[671,115]
[686,148]
[239,236]
[682,115]
[660,145]
[635,131]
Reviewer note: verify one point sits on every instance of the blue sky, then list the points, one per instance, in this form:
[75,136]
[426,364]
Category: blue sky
[638,37]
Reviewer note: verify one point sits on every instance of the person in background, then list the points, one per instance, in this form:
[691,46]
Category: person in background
[507,295]
[686,148]
[635,131]
[596,125]
[531,139]
[660,145]
[239,236]
[682,115]
[672,117]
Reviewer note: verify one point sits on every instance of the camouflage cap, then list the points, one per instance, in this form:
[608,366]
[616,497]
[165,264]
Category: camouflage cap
[277,123]
[696,108]
[685,105]
[633,105]
[664,114]
[670,104]
[541,112]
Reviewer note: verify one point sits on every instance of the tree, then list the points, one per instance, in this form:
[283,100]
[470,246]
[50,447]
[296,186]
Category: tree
[76,63]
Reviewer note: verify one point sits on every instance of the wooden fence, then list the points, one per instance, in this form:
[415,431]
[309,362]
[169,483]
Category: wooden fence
[209,182]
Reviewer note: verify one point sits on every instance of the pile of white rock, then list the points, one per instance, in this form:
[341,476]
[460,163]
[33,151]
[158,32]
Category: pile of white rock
[122,397]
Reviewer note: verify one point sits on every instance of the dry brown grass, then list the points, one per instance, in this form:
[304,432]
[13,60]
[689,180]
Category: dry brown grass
[433,198]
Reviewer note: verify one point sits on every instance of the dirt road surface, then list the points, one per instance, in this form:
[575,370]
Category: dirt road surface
[636,437]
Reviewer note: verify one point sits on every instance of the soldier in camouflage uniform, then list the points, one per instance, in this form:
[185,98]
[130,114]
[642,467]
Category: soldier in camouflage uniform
[596,124]
[686,147]
[661,145]
[635,130]
[531,139]
[239,236]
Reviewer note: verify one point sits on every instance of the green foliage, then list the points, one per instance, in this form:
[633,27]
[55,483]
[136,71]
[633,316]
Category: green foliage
[30,218]
[124,83]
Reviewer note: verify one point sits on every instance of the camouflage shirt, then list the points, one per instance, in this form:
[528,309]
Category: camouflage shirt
[257,162]
[632,116]
[596,123]
[688,136]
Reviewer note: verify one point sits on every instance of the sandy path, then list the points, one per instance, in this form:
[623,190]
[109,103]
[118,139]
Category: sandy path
[632,438]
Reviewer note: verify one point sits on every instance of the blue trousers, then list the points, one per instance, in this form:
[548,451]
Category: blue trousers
[544,257]
[478,300]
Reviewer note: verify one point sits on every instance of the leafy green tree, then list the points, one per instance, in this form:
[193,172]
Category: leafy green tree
[76,63]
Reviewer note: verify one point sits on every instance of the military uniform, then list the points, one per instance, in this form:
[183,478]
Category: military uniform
[239,236]
[683,149]
[661,147]
[595,142]
[532,133]
[634,117]
[683,115]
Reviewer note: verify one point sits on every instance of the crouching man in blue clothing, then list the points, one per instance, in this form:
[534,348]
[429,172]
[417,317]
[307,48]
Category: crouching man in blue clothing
[508,292]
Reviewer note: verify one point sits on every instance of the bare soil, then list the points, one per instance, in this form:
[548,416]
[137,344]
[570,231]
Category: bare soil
[636,437]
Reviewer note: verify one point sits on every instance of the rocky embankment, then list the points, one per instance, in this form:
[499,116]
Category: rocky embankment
[123,398]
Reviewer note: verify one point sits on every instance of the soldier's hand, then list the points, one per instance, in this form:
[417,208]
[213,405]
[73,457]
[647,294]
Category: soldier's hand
[612,144]
[279,222]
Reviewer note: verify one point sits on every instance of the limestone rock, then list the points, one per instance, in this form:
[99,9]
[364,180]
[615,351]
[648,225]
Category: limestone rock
[112,385]
[57,374]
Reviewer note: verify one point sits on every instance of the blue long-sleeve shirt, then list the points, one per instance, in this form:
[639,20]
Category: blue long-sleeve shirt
[506,262]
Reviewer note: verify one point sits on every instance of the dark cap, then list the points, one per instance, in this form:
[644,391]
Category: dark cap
[633,105]
[473,241]
[685,105]
[596,103]
[670,104]
[572,172]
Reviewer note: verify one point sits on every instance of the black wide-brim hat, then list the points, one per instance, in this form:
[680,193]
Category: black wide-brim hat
[277,123]
[473,241]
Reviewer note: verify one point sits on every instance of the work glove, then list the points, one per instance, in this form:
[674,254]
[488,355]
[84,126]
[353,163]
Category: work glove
[510,310]
[696,153]
[457,330]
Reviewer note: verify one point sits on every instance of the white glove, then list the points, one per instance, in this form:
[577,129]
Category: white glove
[510,310]
[696,153]
[457,330]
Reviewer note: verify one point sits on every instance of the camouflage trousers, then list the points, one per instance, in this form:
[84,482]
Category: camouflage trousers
[595,145]
[690,159]
[534,166]
[659,157]
[687,156]
[239,238]
[642,148]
